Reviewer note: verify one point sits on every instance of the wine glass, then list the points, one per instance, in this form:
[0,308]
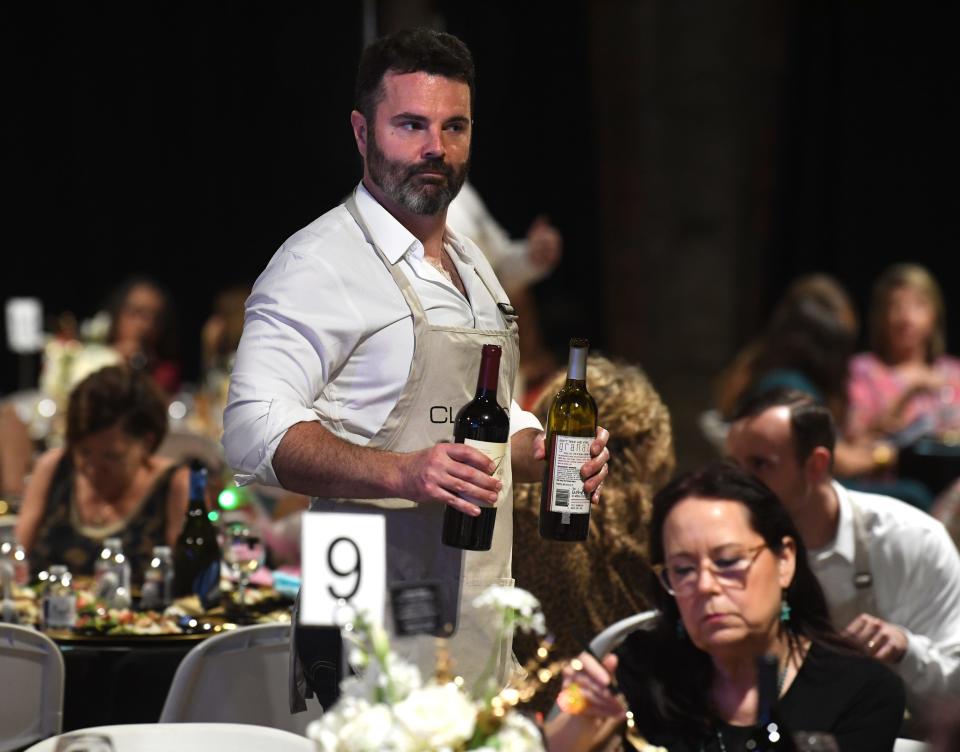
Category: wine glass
[245,553]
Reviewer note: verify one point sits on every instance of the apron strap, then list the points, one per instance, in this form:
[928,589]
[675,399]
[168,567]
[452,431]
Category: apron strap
[406,289]
[865,598]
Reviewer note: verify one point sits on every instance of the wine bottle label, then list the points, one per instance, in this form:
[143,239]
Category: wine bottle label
[499,453]
[568,454]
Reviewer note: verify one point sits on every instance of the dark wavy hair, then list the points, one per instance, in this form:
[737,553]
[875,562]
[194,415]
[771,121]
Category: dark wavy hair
[411,51]
[679,674]
[117,395]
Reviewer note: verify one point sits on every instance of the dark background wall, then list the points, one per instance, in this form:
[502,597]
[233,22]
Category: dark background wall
[696,155]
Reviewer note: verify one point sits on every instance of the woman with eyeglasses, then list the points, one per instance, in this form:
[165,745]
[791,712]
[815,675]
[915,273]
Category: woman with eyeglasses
[734,585]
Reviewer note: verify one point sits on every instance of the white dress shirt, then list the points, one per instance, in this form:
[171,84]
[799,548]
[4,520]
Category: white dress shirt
[328,336]
[916,581]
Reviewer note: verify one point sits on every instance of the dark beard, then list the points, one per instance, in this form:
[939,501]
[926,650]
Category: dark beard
[401,181]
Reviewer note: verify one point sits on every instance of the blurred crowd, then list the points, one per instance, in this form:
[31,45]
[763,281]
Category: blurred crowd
[100,448]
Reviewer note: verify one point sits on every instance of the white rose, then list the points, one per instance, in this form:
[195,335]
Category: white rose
[374,730]
[437,716]
[519,734]
[326,731]
[524,604]
[404,676]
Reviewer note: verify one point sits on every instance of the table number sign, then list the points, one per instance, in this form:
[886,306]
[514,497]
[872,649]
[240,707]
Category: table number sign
[344,567]
[24,318]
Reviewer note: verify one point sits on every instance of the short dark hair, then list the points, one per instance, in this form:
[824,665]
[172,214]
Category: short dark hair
[410,51]
[117,395]
[681,697]
[811,424]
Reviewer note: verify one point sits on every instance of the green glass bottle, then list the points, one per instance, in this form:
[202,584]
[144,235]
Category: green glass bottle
[196,555]
[571,429]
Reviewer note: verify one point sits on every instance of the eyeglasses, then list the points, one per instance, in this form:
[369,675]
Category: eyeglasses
[729,567]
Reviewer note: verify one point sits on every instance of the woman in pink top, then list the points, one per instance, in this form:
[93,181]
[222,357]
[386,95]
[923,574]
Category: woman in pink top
[906,383]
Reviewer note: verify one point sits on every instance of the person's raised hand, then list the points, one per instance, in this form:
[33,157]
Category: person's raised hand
[595,470]
[884,641]
[544,243]
[587,688]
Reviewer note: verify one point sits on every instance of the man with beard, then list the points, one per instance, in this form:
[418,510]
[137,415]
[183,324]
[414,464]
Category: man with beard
[362,340]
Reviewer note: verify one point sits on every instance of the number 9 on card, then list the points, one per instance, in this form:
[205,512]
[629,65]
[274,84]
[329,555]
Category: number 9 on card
[344,567]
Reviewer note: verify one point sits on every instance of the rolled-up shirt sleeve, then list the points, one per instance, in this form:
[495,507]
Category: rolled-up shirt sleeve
[290,345]
[521,419]
[931,666]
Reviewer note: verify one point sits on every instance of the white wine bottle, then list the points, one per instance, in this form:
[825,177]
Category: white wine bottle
[571,429]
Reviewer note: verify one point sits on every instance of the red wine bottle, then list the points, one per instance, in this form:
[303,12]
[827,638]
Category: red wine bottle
[571,429]
[484,425]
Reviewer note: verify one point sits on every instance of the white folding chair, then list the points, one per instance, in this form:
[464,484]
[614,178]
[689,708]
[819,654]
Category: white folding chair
[240,676]
[910,745]
[617,632]
[187,737]
[31,687]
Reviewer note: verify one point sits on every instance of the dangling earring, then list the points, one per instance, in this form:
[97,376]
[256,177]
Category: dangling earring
[784,610]
[681,632]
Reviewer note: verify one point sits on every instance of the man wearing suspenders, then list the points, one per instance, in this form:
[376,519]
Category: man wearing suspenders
[362,339]
[891,573]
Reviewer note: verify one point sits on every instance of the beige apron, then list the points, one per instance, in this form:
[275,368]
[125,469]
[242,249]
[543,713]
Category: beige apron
[442,379]
[864,600]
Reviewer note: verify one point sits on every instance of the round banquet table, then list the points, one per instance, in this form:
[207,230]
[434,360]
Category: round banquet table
[183,737]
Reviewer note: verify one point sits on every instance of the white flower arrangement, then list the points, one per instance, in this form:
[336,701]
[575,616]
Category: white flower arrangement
[388,707]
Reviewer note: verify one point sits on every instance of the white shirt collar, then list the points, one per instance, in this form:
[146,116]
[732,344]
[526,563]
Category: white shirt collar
[392,237]
[843,543]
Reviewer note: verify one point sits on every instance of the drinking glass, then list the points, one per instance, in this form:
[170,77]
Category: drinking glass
[245,554]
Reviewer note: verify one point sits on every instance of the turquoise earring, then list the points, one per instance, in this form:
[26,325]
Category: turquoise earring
[784,611]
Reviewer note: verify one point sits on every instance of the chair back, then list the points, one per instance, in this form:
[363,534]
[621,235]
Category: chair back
[910,745]
[240,676]
[617,632]
[31,687]
[183,737]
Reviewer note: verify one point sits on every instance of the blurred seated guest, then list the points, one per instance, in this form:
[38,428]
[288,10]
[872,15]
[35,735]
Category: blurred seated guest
[906,383]
[143,330]
[890,573]
[604,575]
[806,345]
[221,332]
[519,264]
[16,453]
[735,586]
[219,338]
[107,481]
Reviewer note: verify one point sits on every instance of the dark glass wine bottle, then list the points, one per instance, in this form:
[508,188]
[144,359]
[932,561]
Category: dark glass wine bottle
[484,425]
[770,733]
[196,555]
[571,428]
